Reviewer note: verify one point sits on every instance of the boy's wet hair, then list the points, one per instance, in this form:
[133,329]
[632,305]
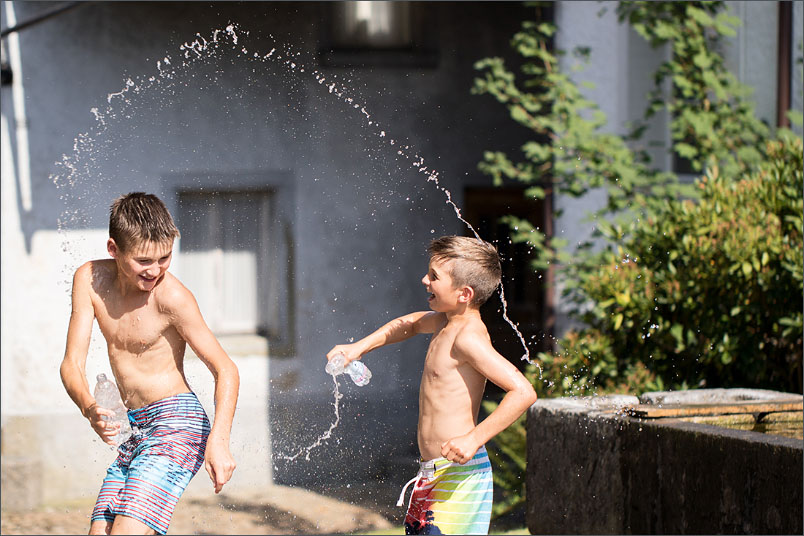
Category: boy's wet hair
[138,217]
[477,264]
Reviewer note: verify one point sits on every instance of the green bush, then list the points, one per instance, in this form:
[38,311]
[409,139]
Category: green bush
[699,293]
[688,293]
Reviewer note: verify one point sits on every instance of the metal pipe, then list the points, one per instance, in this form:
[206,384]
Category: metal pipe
[39,18]
[784,59]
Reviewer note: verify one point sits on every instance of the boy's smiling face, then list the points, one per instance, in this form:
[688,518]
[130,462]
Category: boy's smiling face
[438,282]
[144,265]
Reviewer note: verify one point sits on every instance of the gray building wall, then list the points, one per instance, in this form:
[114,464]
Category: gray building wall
[355,214]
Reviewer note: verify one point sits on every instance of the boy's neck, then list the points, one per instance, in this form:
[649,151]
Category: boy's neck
[463,312]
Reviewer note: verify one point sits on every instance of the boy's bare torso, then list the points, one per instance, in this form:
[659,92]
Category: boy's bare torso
[451,389]
[146,351]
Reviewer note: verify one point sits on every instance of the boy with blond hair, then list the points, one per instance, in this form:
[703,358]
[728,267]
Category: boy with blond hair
[147,318]
[452,493]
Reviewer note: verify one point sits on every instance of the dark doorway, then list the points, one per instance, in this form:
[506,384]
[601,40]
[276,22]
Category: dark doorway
[527,291]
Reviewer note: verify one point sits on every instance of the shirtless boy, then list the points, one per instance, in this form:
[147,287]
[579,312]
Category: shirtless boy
[147,318]
[462,274]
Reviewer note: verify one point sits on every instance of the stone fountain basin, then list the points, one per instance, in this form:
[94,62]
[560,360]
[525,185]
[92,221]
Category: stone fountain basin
[627,464]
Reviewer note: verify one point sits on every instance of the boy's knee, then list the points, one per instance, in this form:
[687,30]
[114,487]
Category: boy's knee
[100,526]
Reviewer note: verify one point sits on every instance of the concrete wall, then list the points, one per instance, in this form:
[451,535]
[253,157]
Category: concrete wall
[592,471]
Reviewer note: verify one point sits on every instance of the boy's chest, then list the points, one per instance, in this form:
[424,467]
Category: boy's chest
[440,362]
[132,329]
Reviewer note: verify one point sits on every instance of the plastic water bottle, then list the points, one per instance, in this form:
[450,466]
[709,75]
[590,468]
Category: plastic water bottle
[107,396]
[356,370]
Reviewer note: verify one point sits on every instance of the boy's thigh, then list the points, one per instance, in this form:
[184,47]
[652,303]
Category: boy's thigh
[121,525]
[148,493]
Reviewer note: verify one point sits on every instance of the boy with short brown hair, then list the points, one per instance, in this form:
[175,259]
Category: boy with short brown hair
[453,489]
[147,318]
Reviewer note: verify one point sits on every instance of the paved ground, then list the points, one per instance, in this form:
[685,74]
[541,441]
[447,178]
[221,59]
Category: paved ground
[274,510]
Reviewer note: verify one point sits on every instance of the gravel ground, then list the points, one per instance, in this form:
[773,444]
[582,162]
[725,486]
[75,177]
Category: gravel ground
[274,510]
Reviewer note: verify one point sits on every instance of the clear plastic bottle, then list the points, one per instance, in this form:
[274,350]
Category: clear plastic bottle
[356,370]
[107,396]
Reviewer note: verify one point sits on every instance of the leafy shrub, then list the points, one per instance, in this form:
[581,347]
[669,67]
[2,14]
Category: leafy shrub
[700,293]
[687,293]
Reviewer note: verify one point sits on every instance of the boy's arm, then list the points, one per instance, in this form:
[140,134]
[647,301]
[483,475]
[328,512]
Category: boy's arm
[397,330]
[73,367]
[477,350]
[187,318]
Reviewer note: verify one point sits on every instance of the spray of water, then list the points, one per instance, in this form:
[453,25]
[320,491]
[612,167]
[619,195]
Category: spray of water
[326,435]
[119,106]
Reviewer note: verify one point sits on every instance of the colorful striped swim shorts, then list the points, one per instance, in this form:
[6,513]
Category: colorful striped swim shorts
[154,466]
[450,498]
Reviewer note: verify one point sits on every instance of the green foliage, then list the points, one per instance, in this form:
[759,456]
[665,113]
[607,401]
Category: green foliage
[714,120]
[509,460]
[706,292]
[698,284]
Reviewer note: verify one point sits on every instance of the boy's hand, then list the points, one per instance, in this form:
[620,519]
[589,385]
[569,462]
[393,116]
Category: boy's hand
[106,430]
[349,351]
[460,449]
[219,462]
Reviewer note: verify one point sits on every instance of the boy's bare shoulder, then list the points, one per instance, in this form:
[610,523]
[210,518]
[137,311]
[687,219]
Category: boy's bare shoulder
[172,293]
[430,321]
[471,335]
[86,269]
[96,272]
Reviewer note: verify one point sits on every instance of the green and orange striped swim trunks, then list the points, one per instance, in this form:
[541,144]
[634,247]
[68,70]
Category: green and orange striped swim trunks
[450,498]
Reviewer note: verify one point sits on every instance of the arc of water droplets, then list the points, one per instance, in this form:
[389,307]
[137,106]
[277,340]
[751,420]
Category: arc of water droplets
[82,157]
[342,92]
[326,435]
[202,49]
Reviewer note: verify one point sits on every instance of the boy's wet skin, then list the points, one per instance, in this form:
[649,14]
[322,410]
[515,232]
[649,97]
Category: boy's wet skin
[462,274]
[147,318]
[145,350]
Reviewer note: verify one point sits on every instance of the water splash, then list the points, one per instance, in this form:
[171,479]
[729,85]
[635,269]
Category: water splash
[120,106]
[343,92]
[326,435]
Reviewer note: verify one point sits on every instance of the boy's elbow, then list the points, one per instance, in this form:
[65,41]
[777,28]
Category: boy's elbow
[529,394]
[233,373]
[65,370]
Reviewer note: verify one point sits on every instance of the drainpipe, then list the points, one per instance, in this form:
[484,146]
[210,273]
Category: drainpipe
[41,17]
[784,58]
[7,73]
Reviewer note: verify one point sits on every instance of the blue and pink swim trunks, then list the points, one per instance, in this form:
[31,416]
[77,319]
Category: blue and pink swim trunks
[155,464]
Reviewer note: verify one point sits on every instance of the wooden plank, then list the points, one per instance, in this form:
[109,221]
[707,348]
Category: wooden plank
[651,411]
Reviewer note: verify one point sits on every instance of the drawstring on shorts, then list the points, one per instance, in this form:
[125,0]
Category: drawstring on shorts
[426,471]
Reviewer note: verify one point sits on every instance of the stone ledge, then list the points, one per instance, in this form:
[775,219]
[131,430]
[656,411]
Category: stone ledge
[591,469]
